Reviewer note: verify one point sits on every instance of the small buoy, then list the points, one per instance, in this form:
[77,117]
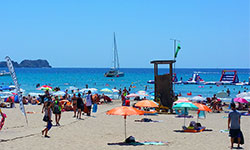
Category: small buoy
[189,93]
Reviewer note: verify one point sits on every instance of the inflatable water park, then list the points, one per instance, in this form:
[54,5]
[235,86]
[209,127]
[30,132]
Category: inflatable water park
[228,77]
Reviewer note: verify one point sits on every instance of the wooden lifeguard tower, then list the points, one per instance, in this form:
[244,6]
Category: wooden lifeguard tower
[164,93]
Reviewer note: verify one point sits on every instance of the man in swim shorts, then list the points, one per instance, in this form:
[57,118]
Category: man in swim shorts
[234,124]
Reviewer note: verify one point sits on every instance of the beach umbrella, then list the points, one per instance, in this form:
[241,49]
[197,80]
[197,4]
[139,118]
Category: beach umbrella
[85,90]
[70,88]
[124,111]
[201,107]
[132,95]
[46,86]
[245,95]
[115,90]
[185,106]
[182,100]
[142,93]
[35,94]
[197,98]
[5,88]
[6,93]
[106,90]
[146,103]
[59,93]
[240,100]
[222,94]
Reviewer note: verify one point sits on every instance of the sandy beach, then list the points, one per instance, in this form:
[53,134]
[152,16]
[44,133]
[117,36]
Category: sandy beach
[99,130]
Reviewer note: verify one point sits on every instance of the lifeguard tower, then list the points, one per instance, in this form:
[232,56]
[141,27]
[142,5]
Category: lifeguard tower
[164,93]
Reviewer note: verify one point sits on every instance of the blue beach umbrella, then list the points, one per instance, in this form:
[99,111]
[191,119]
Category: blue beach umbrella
[185,106]
[5,88]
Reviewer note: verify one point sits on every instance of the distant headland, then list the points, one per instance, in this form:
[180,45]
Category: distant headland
[39,63]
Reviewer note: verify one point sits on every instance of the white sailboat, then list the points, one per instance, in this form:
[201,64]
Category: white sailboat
[114,71]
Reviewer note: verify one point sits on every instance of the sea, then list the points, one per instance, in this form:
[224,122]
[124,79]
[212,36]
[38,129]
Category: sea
[136,78]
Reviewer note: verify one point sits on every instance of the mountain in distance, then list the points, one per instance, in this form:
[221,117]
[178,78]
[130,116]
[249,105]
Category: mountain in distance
[39,63]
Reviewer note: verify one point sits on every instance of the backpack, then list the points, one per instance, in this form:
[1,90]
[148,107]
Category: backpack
[56,109]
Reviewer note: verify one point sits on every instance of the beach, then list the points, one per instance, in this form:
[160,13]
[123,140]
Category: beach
[101,131]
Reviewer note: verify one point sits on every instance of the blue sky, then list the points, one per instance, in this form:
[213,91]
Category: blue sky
[213,34]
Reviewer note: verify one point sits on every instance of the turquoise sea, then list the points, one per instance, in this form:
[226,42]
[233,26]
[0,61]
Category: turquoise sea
[138,77]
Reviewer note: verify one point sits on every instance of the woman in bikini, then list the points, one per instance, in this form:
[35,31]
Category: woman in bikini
[74,103]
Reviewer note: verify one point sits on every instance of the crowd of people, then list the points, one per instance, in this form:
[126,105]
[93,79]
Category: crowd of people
[80,104]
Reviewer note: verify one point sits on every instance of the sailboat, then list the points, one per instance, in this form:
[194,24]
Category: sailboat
[114,71]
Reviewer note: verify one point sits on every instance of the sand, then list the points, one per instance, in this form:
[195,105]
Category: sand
[97,131]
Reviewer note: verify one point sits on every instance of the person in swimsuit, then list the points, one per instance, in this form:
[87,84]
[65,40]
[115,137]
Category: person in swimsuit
[74,103]
[48,114]
[79,105]
[57,110]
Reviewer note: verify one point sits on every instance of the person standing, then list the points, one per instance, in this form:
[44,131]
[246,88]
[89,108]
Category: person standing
[57,110]
[234,125]
[79,106]
[89,102]
[74,103]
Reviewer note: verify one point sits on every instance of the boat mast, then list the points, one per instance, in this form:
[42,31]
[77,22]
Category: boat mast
[116,60]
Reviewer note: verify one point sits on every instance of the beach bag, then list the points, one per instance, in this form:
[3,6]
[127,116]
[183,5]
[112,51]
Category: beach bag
[94,108]
[45,118]
[130,139]
[85,110]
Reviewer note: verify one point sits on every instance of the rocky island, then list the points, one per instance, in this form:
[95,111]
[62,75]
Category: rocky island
[39,63]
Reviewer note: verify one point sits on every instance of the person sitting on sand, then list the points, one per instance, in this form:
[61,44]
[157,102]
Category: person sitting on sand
[29,98]
[47,118]
[33,100]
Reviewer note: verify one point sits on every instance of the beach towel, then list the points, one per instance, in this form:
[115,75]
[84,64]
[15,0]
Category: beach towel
[241,139]
[159,143]
[245,114]
[224,131]
[183,116]
[148,120]
[94,110]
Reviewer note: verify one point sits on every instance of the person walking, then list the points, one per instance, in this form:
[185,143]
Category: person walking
[47,118]
[57,110]
[234,125]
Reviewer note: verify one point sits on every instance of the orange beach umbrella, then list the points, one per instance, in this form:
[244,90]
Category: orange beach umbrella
[146,103]
[124,111]
[202,107]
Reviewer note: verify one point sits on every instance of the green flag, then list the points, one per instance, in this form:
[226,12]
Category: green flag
[177,50]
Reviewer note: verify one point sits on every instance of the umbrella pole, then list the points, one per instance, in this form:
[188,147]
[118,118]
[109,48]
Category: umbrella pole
[125,126]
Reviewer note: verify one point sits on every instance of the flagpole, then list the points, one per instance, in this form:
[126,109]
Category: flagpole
[174,54]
